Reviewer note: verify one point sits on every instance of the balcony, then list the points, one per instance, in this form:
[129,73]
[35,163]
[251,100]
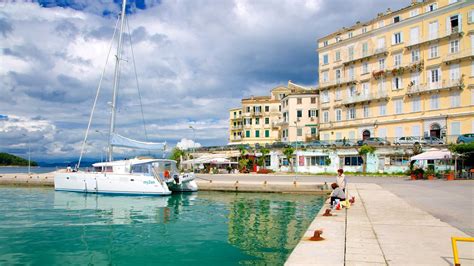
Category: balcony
[454,32]
[364,55]
[365,98]
[238,127]
[336,82]
[435,87]
[236,138]
[257,113]
[464,54]
[311,137]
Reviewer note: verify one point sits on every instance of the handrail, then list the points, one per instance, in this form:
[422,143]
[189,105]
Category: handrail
[455,247]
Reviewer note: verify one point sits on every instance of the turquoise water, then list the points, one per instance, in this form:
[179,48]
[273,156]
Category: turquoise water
[39,226]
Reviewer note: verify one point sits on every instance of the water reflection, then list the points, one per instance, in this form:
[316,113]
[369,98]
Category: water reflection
[113,209]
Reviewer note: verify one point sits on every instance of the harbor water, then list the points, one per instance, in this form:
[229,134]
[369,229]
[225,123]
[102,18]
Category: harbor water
[42,227]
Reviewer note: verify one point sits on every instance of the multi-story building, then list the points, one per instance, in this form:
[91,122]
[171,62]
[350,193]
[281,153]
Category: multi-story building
[300,114]
[254,122]
[408,72]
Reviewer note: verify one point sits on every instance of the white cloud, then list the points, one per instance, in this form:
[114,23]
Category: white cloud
[185,144]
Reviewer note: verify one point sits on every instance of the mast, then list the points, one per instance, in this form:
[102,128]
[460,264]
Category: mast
[116,80]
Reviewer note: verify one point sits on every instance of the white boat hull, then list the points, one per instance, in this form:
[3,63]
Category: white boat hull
[110,183]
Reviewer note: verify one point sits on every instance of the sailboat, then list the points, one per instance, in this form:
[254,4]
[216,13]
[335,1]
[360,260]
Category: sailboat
[137,176]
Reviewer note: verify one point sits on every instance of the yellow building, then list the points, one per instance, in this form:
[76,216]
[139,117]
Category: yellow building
[408,72]
[254,122]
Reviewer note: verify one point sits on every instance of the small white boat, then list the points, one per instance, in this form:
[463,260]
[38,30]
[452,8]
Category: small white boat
[176,182]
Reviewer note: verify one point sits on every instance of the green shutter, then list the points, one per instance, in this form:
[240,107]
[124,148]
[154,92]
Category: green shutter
[267,133]
[257,133]
[247,134]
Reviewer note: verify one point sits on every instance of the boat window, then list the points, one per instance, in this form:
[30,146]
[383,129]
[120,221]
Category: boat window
[98,169]
[140,168]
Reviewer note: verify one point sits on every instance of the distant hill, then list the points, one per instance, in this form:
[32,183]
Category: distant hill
[7,159]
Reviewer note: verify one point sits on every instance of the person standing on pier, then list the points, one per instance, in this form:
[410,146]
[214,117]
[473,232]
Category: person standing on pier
[341,179]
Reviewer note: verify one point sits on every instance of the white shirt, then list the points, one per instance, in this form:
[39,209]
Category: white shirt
[341,181]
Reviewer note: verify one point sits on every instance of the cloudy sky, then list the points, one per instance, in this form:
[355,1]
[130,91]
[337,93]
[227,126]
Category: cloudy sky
[195,59]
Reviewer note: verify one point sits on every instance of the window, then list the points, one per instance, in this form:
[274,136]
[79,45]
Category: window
[325,76]
[415,78]
[381,43]
[313,99]
[415,104]
[455,129]
[299,132]
[257,121]
[316,160]
[338,56]
[434,102]
[325,43]
[433,30]
[257,109]
[397,38]
[267,133]
[432,7]
[433,51]
[350,34]
[383,109]
[267,120]
[398,106]
[350,52]
[470,16]
[351,113]
[365,88]
[381,24]
[454,46]
[338,75]
[352,91]
[365,49]
[299,101]
[267,108]
[381,85]
[366,111]
[325,96]
[352,160]
[415,55]
[456,99]
[454,72]
[365,68]
[453,24]
[434,75]
[248,109]
[453,1]
[396,19]
[325,59]
[314,131]
[364,29]
[414,35]
[299,113]
[351,73]
[338,114]
[247,133]
[414,12]
[338,94]
[397,83]
[397,60]
[325,116]
[257,133]
[399,160]
[382,64]
[313,113]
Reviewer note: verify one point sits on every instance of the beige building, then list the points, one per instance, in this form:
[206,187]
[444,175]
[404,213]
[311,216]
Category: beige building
[254,122]
[300,114]
[408,72]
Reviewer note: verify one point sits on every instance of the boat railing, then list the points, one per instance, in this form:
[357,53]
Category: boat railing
[157,176]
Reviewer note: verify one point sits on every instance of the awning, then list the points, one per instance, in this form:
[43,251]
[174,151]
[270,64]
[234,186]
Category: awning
[121,141]
[433,154]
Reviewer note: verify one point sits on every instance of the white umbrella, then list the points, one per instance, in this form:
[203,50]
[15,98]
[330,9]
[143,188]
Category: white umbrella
[433,154]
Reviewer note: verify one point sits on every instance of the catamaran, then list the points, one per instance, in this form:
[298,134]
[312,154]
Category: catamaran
[137,176]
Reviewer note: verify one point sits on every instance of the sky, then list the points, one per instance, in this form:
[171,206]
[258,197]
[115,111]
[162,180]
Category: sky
[195,59]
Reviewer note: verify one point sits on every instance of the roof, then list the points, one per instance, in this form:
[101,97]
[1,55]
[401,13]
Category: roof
[133,161]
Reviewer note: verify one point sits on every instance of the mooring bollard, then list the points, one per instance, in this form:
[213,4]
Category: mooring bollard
[265,182]
[327,212]
[317,235]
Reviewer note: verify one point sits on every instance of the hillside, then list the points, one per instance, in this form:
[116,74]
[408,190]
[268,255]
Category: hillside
[7,159]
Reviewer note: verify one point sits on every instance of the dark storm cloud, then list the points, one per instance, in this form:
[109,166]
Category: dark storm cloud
[5,27]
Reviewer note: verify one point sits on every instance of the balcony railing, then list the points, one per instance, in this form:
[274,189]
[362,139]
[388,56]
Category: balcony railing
[237,127]
[365,97]
[363,55]
[434,36]
[466,53]
[336,82]
[430,87]
[236,138]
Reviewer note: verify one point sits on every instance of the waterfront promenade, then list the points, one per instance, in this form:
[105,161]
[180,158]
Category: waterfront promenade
[380,229]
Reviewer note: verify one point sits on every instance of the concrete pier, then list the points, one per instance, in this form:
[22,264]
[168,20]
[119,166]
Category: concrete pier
[380,229]
[27,180]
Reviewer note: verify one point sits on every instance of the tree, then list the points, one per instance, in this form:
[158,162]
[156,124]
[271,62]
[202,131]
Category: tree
[10,159]
[288,152]
[364,151]
[177,154]
[261,160]
[243,164]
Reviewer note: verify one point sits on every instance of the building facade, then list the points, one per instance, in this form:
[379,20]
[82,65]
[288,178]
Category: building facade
[408,72]
[300,115]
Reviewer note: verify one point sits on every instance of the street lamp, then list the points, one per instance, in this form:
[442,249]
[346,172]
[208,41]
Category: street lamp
[29,154]
[194,145]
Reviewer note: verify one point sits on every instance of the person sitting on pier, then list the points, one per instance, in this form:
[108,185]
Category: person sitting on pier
[337,193]
[341,179]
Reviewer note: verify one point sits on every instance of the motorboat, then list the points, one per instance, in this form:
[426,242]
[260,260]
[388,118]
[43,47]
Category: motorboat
[176,181]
